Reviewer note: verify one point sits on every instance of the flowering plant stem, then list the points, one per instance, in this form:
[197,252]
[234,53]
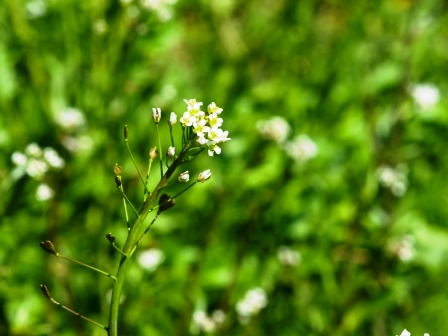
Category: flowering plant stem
[133,237]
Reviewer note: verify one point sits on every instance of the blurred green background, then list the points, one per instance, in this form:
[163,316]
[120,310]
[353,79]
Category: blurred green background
[326,213]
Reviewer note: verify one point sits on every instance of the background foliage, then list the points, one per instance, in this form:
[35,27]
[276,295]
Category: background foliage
[372,262]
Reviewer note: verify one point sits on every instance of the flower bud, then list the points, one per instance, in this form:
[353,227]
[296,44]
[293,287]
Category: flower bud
[118,181]
[125,132]
[46,292]
[165,203]
[48,246]
[156,112]
[110,237]
[173,119]
[153,153]
[118,169]
[184,177]
[204,176]
[170,152]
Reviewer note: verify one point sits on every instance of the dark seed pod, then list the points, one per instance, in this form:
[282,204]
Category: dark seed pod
[48,246]
[45,290]
[165,203]
[110,237]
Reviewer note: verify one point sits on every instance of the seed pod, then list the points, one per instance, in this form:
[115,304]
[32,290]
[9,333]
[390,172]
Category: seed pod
[153,153]
[45,290]
[118,181]
[165,203]
[48,246]
[125,132]
[118,169]
[110,237]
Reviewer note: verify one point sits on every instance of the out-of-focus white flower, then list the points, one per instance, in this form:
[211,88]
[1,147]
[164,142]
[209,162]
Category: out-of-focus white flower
[44,192]
[70,119]
[207,324]
[184,177]
[301,148]
[53,158]
[133,11]
[425,95]
[151,259]
[100,27]
[173,119]
[204,176]
[156,113]
[77,144]
[36,8]
[33,150]
[404,248]
[254,300]
[163,8]
[36,168]
[19,159]
[405,333]
[275,128]
[288,256]
[394,179]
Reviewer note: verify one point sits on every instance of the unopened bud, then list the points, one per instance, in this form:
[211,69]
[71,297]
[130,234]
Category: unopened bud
[153,153]
[125,132]
[156,113]
[204,176]
[118,181]
[118,169]
[165,203]
[48,246]
[46,292]
[171,152]
[110,237]
[173,119]
[184,177]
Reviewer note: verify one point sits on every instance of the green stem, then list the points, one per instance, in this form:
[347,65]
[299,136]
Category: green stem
[127,199]
[160,151]
[85,265]
[77,314]
[132,239]
[147,178]
[135,163]
[115,247]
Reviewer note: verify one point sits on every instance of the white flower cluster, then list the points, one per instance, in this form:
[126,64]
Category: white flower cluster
[206,125]
[407,333]
[394,179]
[254,301]
[301,148]
[288,257]
[72,120]
[205,323]
[151,259]
[36,8]
[425,95]
[36,161]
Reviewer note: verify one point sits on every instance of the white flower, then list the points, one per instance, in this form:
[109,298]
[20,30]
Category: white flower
[19,159]
[404,248]
[173,119]
[70,119]
[212,108]
[405,333]
[204,176]
[151,259]
[214,121]
[53,158]
[187,119]
[171,152]
[275,128]
[288,256]
[213,149]
[425,95]
[34,150]
[184,177]
[254,300]
[44,192]
[199,127]
[301,148]
[156,113]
